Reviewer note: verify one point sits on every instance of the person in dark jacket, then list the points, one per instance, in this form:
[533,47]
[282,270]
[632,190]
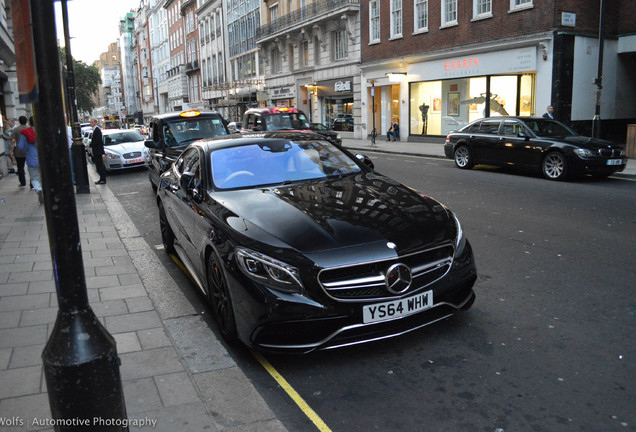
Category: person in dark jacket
[550,113]
[20,155]
[97,151]
[27,144]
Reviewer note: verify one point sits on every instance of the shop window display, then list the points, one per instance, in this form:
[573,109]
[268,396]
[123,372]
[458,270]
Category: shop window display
[439,107]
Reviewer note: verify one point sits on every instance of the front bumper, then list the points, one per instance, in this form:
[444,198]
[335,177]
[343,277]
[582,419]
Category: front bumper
[293,323]
[595,166]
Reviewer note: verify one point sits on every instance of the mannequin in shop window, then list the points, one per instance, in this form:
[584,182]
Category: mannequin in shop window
[424,109]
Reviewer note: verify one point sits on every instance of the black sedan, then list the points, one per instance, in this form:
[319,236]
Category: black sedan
[301,246]
[534,142]
[321,129]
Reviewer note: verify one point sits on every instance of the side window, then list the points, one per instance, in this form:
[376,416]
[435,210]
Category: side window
[474,128]
[490,127]
[511,128]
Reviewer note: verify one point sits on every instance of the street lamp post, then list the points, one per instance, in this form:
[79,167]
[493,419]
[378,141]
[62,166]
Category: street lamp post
[598,81]
[80,361]
[78,152]
[373,133]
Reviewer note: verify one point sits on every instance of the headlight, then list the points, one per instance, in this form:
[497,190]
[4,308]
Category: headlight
[111,156]
[584,153]
[338,137]
[623,153]
[269,271]
[460,238]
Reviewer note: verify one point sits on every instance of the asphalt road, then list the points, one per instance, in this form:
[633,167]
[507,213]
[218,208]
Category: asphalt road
[548,345]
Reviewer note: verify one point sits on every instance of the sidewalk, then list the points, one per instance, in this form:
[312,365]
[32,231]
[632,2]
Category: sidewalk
[167,377]
[432,149]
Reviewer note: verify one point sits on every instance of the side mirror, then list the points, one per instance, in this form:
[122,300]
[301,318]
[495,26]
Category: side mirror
[151,144]
[366,160]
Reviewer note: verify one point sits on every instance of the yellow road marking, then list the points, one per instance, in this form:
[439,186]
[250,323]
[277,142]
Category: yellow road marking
[306,409]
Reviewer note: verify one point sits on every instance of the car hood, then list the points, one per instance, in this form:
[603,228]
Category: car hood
[126,147]
[588,142]
[357,209]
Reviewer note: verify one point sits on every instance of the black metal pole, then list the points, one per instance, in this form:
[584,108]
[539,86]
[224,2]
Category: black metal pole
[373,133]
[596,121]
[77,149]
[80,359]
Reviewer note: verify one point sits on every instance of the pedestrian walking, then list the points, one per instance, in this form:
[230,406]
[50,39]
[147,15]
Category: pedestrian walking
[28,144]
[19,155]
[97,150]
[7,130]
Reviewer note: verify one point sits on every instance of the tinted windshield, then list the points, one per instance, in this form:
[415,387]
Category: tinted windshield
[122,137]
[185,130]
[285,121]
[278,162]
[548,128]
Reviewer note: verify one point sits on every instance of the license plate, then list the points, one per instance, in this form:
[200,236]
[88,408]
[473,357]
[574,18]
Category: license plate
[397,308]
[615,162]
[132,161]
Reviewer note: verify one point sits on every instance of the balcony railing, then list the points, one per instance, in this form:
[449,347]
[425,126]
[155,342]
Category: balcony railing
[302,15]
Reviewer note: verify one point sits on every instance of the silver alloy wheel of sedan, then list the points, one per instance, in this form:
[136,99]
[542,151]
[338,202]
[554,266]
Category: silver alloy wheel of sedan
[554,166]
[463,158]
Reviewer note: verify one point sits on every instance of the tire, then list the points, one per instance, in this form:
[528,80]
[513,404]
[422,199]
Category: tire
[554,166]
[167,236]
[219,295]
[463,158]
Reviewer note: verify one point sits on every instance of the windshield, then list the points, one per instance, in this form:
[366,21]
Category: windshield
[547,128]
[285,121]
[185,130]
[278,161]
[122,137]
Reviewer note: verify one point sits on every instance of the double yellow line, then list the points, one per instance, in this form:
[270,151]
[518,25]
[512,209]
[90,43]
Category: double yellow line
[293,394]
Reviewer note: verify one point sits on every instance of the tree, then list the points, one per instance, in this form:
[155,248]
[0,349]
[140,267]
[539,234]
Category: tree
[87,81]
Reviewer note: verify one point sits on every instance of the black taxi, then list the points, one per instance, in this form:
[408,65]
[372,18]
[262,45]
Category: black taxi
[172,132]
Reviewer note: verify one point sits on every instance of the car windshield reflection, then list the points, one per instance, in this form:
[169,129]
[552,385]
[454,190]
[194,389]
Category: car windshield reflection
[278,162]
[180,132]
[122,137]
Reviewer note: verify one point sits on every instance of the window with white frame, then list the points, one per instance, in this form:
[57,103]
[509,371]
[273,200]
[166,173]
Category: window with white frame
[374,21]
[421,15]
[482,8]
[339,38]
[396,18]
[520,4]
[273,12]
[449,12]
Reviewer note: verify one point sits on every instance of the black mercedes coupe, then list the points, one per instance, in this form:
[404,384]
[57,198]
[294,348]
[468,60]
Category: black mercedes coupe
[300,245]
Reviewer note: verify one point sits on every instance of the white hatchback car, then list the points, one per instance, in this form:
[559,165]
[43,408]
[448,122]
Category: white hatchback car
[124,148]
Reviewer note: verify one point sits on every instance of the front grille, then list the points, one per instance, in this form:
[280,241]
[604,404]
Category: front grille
[366,281]
[132,155]
[609,153]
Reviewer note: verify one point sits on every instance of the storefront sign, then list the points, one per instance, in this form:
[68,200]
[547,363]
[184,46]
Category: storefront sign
[342,86]
[285,91]
[491,63]
[335,87]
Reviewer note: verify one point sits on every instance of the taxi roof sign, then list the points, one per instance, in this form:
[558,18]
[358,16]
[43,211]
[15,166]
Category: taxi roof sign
[191,113]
